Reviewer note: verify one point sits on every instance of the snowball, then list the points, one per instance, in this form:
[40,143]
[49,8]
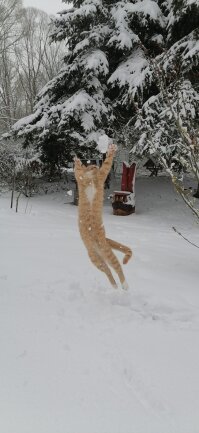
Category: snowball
[103,143]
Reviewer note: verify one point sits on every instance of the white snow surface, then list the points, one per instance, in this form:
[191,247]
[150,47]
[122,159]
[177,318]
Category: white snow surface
[78,356]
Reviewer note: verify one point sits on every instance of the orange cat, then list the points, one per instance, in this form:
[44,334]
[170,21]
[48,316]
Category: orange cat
[90,182]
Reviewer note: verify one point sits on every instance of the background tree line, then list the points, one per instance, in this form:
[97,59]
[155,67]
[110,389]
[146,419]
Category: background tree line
[27,60]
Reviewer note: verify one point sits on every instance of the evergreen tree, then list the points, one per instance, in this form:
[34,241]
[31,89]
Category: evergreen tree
[175,77]
[73,108]
[108,49]
[167,123]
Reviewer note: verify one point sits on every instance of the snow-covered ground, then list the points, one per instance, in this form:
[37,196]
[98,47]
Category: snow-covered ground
[77,356]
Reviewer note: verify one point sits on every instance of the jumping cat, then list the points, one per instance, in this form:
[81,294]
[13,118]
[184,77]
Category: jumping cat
[90,182]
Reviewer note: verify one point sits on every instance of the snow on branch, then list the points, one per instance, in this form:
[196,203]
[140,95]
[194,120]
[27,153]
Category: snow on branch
[95,60]
[148,9]
[123,36]
[186,50]
[131,73]
[85,107]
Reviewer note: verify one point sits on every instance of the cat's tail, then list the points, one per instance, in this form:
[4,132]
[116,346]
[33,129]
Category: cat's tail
[122,248]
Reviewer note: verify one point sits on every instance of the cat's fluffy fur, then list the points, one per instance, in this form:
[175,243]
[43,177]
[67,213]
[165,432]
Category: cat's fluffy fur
[90,182]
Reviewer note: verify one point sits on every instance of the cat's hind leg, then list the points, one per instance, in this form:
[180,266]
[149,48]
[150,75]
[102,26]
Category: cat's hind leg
[114,263]
[122,248]
[99,262]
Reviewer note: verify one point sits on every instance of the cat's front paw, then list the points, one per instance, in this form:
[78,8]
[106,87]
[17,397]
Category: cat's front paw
[112,149]
[77,162]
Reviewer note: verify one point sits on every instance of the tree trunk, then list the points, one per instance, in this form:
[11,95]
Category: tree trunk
[13,189]
[17,201]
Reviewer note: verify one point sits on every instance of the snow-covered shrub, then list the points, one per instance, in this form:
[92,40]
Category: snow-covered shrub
[6,163]
[19,167]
